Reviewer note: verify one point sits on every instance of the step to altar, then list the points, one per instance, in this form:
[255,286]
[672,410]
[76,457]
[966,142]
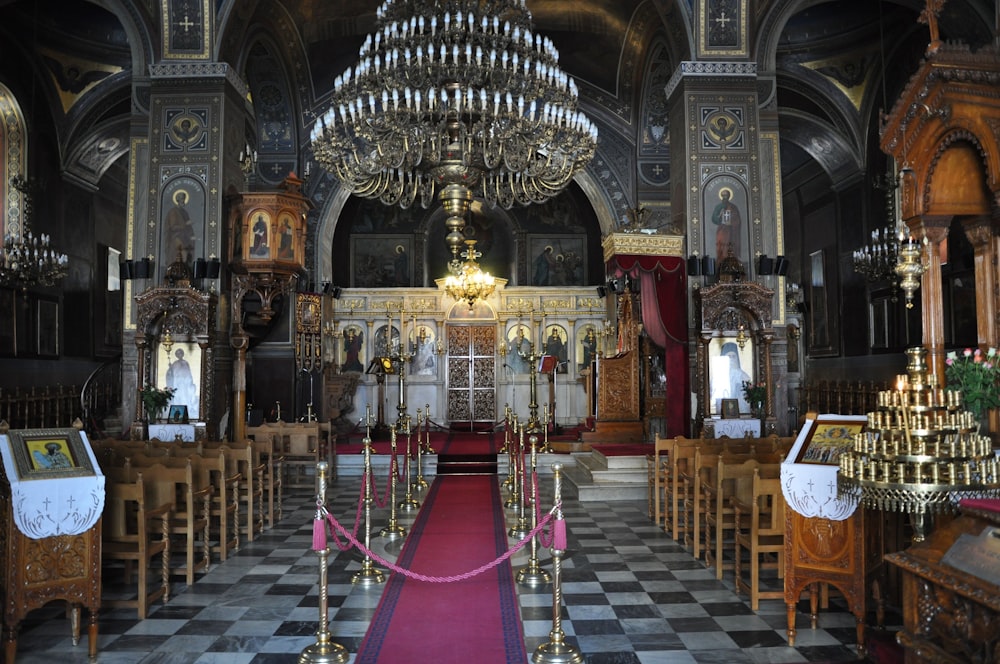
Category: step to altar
[594,476]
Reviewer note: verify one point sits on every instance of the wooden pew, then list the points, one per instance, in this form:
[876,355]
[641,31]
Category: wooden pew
[136,531]
[656,466]
[760,531]
[733,478]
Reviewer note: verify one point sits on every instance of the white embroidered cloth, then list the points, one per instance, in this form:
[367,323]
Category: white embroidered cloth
[54,506]
[811,488]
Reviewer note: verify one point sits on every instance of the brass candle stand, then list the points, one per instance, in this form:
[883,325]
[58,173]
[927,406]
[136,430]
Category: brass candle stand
[368,575]
[324,651]
[920,453]
[533,422]
[532,575]
[556,650]
[393,530]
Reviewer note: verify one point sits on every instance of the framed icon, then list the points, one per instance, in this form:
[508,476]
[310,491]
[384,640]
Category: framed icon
[730,409]
[178,414]
[49,453]
[826,438]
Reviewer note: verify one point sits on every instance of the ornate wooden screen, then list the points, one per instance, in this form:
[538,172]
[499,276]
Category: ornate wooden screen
[471,373]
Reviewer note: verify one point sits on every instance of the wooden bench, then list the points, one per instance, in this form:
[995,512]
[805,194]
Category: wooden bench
[760,531]
[733,478]
[136,531]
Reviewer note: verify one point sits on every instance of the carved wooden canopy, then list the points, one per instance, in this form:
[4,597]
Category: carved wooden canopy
[722,305]
[185,311]
[945,131]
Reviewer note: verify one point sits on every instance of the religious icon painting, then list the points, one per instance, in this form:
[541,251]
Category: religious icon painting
[353,348]
[556,345]
[586,346]
[423,349]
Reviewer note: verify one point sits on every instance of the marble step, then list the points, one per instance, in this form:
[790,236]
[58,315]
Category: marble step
[596,477]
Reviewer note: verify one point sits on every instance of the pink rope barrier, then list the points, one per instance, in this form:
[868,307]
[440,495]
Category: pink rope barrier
[319,532]
[388,486]
[332,523]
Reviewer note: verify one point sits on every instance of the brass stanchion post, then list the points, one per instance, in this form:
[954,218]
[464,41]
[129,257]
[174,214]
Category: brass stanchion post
[324,651]
[532,575]
[368,574]
[556,650]
[545,428]
[506,430]
[419,483]
[393,530]
[427,431]
[409,503]
[520,527]
[511,481]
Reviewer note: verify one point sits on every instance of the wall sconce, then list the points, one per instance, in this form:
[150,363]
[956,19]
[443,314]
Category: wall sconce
[330,289]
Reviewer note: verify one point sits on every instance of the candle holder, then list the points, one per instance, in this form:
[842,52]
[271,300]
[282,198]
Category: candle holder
[920,452]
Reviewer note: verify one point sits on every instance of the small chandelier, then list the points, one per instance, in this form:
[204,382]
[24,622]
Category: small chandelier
[470,283]
[877,259]
[29,260]
[459,99]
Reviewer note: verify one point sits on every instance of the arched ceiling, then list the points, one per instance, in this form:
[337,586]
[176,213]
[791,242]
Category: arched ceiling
[826,56]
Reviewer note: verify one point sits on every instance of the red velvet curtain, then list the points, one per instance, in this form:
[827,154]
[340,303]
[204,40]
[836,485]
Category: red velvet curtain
[663,295]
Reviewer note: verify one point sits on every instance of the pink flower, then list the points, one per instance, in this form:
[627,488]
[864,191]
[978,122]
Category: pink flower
[949,361]
[967,352]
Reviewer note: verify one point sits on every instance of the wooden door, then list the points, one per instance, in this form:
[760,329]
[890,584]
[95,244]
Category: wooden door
[471,377]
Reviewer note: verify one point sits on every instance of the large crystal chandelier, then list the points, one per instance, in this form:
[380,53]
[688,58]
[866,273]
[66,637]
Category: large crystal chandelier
[459,98]
[470,283]
[29,260]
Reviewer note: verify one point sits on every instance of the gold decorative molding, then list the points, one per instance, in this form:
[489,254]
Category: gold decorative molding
[642,244]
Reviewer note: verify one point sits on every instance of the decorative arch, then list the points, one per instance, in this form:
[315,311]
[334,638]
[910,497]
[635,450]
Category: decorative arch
[956,180]
[274,107]
[189,315]
[14,152]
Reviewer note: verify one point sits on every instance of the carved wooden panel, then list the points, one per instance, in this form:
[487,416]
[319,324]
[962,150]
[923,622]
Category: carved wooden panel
[618,387]
[36,572]
[949,616]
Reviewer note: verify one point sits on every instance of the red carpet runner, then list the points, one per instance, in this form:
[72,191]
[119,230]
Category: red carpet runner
[460,527]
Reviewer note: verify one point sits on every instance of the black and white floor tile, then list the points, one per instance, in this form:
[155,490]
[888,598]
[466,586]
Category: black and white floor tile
[631,596]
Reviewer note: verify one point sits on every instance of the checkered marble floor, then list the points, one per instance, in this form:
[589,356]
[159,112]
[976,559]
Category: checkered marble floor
[631,595]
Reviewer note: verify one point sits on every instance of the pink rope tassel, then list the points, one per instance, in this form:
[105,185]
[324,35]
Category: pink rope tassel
[559,535]
[319,535]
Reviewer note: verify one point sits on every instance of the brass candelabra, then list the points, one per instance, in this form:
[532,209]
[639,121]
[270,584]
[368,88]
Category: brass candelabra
[920,453]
